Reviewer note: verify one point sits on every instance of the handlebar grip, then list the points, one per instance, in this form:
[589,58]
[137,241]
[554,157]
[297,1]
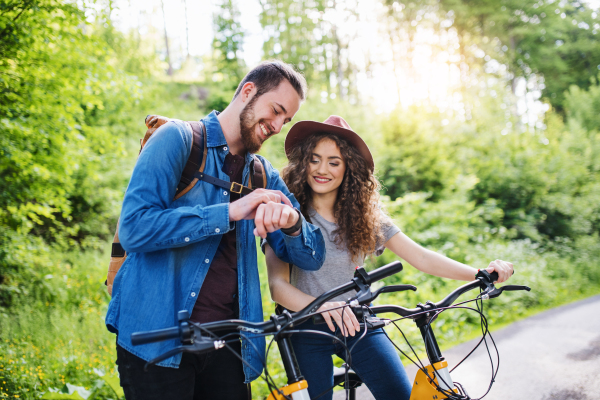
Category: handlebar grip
[158,335]
[494,276]
[385,271]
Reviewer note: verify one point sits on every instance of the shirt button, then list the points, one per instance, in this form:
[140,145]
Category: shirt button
[217,230]
[224,193]
[313,252]
[207,261]
[187,239]
[193,294]
[225,148]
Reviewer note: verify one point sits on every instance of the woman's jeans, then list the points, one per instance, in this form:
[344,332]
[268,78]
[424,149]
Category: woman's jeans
[374,359]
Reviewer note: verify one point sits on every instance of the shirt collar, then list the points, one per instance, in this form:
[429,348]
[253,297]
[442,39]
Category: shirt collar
[214,133]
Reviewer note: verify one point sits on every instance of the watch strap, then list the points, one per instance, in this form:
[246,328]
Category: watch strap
[297,225]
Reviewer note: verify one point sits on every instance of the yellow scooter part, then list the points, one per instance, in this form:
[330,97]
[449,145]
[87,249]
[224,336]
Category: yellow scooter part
[424,389]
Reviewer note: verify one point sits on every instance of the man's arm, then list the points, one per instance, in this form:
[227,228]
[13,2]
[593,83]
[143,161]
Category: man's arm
[307,249]
[147,223]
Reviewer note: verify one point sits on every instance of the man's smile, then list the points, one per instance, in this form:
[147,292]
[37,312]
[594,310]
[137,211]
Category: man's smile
[264,130]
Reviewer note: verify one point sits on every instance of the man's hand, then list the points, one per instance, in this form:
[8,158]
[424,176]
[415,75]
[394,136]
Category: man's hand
[503,268]
[349,325]
[272,216]
[245,208]
[270,209]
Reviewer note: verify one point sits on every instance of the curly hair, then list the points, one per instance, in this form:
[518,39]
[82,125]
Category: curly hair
[357,211]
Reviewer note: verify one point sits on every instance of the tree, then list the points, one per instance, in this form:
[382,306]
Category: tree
[170,70]
[60,97]
[228,43]
[309,35]
[558,40]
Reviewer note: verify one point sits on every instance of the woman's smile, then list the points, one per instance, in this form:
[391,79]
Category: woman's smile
[321,179]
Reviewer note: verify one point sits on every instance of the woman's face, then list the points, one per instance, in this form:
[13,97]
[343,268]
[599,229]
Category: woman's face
[326,168]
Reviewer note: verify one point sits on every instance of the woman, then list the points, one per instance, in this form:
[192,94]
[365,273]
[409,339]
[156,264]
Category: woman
[330,172]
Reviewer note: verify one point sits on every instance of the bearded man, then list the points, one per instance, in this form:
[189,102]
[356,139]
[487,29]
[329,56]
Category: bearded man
[198,252]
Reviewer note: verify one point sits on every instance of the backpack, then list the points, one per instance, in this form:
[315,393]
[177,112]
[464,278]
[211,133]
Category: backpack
[192,173]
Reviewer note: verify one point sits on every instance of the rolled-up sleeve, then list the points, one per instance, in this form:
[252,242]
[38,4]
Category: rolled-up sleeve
[147,223]
[307,250]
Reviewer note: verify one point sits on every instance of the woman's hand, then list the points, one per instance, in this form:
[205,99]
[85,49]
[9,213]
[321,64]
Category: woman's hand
[503,268]
[350,324]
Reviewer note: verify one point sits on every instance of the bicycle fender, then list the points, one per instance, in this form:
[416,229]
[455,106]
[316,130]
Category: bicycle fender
[423,388]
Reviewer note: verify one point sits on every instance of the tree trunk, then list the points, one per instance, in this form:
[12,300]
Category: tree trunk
[187,32]
[170,71]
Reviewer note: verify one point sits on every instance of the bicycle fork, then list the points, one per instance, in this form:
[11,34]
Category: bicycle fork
[425,387]
[297,387]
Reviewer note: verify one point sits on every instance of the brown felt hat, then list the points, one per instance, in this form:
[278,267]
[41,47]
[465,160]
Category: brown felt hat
[334,124]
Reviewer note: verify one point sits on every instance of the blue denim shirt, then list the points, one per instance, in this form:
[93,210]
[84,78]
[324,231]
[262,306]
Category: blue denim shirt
[171,243]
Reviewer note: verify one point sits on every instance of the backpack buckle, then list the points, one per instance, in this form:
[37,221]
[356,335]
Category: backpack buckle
[236,188]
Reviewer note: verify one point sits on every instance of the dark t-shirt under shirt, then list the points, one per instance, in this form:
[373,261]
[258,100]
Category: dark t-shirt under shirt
[218,298]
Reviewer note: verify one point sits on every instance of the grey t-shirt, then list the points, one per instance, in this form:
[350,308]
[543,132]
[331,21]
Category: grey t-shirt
[338,267]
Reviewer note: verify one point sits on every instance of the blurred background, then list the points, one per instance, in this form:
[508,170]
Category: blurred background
[482,117]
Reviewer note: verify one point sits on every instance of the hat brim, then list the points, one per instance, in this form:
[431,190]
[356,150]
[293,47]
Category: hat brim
[304,129]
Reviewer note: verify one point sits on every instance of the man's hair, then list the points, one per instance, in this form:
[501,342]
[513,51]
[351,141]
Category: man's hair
[269,74]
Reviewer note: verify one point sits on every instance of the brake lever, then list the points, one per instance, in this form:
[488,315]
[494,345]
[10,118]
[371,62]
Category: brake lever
[498,291]
[201,346]
[516,287]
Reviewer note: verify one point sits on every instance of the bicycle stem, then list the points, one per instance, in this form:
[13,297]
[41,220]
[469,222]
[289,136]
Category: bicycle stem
[431,346]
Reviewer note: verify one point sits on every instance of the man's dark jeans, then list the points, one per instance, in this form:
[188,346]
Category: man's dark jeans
[217,375]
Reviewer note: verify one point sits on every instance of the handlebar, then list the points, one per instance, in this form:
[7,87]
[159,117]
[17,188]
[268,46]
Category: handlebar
[189,333]
[483,280]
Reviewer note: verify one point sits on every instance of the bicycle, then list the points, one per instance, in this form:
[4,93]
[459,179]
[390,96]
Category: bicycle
[432,381]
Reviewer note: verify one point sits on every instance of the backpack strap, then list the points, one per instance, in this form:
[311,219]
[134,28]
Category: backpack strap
[196,161]
[258,179]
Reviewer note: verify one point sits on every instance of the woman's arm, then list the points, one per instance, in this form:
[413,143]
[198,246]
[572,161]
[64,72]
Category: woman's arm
[436,264]
[284,293]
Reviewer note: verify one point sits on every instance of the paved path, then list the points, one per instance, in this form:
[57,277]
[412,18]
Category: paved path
[554,355]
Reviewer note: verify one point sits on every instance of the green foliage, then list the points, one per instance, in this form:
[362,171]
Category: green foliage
[227,45]
[61,97]
[415,154]
[583,105]
[557,40]
[546,184]
[291,32]
[304,34]
[62,341]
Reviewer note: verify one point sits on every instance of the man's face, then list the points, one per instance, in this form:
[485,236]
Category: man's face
[264,116]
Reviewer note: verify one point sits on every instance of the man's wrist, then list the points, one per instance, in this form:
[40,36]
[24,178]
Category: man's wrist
[296,227]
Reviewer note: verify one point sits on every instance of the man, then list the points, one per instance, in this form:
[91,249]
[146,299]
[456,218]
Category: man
[198,253]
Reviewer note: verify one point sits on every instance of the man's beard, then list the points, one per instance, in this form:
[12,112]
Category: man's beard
[247,128]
